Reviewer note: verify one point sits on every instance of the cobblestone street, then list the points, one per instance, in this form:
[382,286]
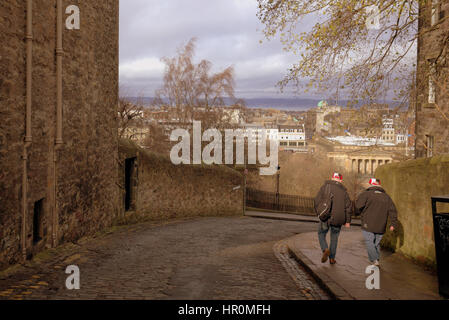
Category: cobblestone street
[206,258]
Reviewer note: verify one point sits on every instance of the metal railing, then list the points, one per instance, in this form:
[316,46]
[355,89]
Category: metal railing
[279,202]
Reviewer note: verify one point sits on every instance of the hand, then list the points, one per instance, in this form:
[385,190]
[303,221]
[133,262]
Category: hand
[391,228]
[347,225]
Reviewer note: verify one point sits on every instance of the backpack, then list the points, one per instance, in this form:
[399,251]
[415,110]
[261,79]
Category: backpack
[324,208]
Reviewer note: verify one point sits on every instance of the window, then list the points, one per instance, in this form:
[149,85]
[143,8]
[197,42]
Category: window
[432,89]
[429,145]
[435,13]
[38,215]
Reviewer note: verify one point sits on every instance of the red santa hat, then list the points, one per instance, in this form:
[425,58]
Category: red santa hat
[374,182]
[337,175]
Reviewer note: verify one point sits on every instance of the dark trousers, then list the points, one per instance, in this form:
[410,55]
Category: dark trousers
[323,229]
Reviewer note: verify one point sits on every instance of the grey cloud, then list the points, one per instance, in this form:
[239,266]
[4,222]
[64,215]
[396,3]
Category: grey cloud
[228,33]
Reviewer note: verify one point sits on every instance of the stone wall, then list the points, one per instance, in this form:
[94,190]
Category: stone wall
[432,120]
[411,185]
[85,171]
[160,189]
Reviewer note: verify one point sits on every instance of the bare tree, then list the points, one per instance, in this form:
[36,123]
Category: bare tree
[342,50]
[192,90]
[354,183]
[130,114]
[157,139]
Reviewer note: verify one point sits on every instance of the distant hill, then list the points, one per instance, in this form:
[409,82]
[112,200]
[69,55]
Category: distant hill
[289,104]
[282,104]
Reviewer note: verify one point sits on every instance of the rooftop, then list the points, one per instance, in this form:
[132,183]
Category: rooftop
[359,141]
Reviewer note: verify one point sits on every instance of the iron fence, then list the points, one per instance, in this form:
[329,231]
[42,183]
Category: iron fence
[279,202]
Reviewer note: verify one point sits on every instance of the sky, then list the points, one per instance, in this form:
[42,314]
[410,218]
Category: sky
[228,33]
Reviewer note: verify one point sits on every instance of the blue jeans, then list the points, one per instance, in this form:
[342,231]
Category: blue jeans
[322,232]
[372,241]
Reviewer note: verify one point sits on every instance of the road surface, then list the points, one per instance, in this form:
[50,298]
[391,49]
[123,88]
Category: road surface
[203,258]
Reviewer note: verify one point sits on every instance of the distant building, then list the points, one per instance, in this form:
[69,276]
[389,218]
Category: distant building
[360,141]
[232,116]
[292,138]
[360,155]
[258,132]
[322,110]
[388,132]
[310,123]
[288,137]
[375,110]
[401,138]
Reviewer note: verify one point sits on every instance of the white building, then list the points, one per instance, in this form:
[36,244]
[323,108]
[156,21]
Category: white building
[258,132]
[388,131]
[360,141]
[401,138]
[232,115]
[289,137]
[292,138]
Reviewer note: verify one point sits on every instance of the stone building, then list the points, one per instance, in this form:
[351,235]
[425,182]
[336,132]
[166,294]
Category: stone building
[362,160]
[356,154]
[432,100]
[375,110]
[322,110]
[58,138]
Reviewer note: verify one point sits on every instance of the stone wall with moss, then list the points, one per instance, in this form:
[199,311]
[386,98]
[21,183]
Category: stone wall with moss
[160,189]
[411,184]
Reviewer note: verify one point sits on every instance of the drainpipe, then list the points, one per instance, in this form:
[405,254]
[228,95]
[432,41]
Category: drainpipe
[28,136]
[58,138]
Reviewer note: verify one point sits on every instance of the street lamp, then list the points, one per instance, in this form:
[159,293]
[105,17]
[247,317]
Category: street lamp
[277,186]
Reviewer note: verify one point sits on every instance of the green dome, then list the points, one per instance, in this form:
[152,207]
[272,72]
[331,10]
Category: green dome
[322,103]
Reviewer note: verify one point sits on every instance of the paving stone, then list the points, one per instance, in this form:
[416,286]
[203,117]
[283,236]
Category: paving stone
[206,258]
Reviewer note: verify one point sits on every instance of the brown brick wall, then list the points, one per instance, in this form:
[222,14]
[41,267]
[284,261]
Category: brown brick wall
[433,42]
[86,165]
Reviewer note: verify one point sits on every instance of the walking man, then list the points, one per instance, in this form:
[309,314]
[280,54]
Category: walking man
[375,206]
[339,214]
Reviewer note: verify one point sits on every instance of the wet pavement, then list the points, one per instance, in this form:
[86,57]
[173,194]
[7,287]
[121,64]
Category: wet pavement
[399,277]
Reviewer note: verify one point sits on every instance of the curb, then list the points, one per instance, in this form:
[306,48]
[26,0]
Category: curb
[326,283]
[291,217]
[272,217]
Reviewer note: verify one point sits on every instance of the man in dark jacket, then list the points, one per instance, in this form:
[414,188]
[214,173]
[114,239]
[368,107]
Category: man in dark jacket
[341,210]
[375,206]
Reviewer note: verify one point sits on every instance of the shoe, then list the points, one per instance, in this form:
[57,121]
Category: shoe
[332,261]
[376,263]
[326,254]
